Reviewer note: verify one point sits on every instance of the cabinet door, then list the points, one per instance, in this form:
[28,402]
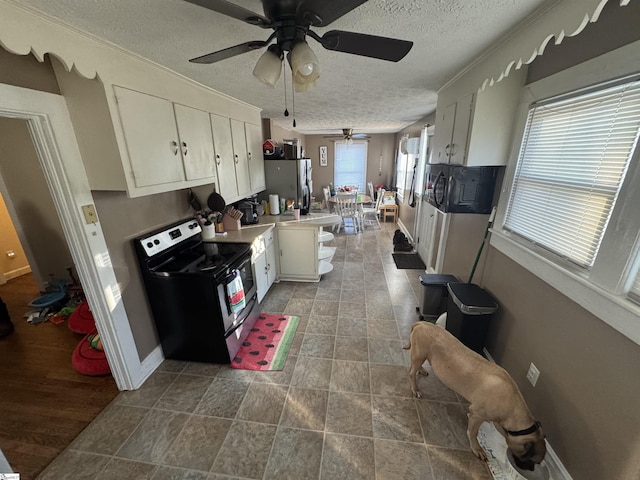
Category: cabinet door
[444,131]
[221,129]
[196,143]
[458,148]
[150,131]
[240,157]
[260,272]
[297,247]
[271,259]
[255,156]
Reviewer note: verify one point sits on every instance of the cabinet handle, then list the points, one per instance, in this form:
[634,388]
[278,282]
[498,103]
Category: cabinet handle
[249,156]
[453,149]
[218,159]
[266,268]
[236,158]
[174,147]
[446,149]
[184,149]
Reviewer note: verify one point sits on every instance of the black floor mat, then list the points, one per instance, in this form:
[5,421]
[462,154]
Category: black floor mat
[406,261]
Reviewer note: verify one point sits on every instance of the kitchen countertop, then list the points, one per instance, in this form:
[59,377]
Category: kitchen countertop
[248,233]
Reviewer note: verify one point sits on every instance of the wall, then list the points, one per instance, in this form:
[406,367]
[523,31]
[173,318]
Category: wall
[32,202]
[406,213]
[25,71]
[380,160]
[122,220]
[588,388]
[10,267]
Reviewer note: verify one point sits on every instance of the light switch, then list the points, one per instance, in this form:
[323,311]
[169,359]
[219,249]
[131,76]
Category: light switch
[89,214]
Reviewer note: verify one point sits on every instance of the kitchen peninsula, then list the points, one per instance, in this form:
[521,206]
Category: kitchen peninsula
[285,249]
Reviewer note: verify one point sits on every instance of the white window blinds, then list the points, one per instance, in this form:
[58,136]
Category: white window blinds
[572,162]
[350,165]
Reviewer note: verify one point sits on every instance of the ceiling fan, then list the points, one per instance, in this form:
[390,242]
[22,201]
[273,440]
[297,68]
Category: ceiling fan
[291,22]
[348,136]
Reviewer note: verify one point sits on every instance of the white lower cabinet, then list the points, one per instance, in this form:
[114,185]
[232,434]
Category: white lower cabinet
[298,253]
[302,255]
[264,263]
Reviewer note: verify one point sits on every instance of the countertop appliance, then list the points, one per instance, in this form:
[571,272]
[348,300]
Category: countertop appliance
[460,189]
[290,179]
[188,285]
[249,212]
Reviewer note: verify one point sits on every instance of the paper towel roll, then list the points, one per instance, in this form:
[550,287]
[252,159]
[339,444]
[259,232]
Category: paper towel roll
[274,204]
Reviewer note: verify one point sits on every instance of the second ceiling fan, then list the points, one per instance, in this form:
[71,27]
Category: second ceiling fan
[291,22]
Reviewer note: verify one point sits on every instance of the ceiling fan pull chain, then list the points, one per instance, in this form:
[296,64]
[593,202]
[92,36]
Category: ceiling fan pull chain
[293,101]
[284,80]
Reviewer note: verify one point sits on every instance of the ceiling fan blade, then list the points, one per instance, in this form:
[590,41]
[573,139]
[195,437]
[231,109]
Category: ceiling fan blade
[234,11]
[320,13]
[229,52]
[384,48]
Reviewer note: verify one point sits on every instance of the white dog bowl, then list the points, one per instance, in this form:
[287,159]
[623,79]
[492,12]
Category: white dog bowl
[540,472]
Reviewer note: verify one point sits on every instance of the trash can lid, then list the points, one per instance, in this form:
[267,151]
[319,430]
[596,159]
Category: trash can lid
[436,279]
[471,299]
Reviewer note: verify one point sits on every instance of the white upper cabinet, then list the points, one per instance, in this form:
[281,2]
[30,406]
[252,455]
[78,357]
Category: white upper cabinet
[151,135]
[196,143]
[225,162]
[241,157]
[477,129]
[255,156]
[452,127]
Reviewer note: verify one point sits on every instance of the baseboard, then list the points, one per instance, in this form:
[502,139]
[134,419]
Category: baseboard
[404,230]
[149,365]
[18,272]
[556,468]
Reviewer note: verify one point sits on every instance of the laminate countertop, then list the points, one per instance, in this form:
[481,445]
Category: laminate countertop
[248,233]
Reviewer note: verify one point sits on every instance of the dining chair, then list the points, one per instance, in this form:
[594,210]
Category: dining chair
[372,214]
[347,208]
[327,196]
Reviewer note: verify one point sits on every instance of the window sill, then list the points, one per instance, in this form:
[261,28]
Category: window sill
[615,310]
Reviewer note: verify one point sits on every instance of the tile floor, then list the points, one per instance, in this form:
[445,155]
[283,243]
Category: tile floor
[341,408]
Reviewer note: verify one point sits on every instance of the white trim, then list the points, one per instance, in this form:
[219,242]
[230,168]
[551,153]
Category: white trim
[151,362]
[50,127]
[18,272]
[615,311]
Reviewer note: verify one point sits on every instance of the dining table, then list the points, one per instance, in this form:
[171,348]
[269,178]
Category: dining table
[360,200]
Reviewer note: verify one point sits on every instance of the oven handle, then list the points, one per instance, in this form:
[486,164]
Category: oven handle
[245,314]
[233,269]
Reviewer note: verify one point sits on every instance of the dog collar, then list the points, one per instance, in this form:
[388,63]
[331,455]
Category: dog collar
[526,431]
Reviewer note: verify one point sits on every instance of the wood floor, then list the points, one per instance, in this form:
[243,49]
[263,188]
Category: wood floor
[44,402]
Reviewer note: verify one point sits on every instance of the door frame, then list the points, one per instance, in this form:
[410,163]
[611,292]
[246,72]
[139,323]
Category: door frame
[53,137]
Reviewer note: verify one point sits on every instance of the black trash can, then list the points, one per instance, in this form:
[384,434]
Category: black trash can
[469,311]
[434,295]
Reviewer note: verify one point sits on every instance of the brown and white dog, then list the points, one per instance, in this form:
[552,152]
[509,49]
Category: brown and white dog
[491,392]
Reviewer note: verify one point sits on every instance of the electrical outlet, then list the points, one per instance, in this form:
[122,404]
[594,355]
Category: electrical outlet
[533,374]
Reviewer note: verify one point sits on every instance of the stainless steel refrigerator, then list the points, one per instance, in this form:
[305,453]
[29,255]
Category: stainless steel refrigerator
[290,179]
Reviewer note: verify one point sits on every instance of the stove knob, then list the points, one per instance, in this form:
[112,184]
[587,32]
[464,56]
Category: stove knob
[156,241]
[149,244]
[193,225]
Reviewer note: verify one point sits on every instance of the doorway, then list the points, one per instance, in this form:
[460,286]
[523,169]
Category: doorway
[46,402]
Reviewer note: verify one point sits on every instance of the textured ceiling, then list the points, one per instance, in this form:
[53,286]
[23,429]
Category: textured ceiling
[365,94]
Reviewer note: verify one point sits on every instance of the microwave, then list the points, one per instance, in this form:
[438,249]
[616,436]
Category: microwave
[460,189]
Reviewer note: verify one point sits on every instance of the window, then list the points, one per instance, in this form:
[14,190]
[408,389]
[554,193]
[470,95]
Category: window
[572,164]
[351,165]
[568,212]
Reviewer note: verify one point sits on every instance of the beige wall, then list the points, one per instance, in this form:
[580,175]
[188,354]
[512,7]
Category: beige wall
[25,71]
[589,386]
[29,195]
[122,220]
[10,267]
[380,160]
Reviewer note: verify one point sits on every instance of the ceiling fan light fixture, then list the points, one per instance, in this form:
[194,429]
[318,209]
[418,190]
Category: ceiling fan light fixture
[304,64]
[269,66]
[303,87]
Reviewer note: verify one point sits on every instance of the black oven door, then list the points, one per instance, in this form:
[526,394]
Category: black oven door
[438,186]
